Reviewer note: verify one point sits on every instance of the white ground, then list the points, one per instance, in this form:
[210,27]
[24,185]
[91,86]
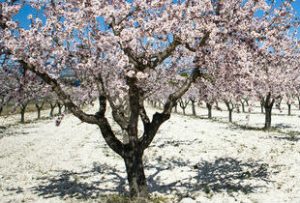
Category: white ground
[209,161]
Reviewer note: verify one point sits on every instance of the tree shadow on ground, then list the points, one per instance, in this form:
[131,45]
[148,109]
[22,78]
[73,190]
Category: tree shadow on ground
[79,184]
[282,126]
[288,138]
[223,174]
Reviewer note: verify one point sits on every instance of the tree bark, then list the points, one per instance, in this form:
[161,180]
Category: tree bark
[135,173]
[209,107]
[269,102]
[243,106]
[268,118]
[262,103]
[237,108]
[52,107]
[22,112]
[289,109]
[39,108]
[175,108]
[60,106]
[193,107]
[183,105]
[38,113]
[230,108]
[66,110]
[1,105]
[299,102]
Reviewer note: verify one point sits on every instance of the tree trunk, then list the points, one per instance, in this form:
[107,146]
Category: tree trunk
[262,106]
[39,108]
[135,173]
[209,107]
[299,101]
[289,109]
[22,112]
[52,107]
[268,118]
[59,107]
[183,105]
[193,108]
[243,107]
[66,110]
[238,108]
[1,109]
[217,105]
[230,115]
[175,108]
[230,108]
[38,113]
[183,111]
[269,102]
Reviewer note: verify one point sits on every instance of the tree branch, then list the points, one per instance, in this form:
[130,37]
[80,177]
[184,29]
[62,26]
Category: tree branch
[61,94]
[160,118]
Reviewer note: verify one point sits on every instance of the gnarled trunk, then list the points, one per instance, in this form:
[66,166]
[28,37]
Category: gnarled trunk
[289,109]
[133,159]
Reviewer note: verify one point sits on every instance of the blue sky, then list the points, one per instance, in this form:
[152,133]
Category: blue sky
[26,10]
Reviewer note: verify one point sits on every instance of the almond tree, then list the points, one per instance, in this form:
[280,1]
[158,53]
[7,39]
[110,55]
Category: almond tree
[116,45]
[277,74]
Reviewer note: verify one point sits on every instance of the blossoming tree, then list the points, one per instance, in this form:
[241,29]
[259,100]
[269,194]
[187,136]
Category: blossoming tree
[114,46]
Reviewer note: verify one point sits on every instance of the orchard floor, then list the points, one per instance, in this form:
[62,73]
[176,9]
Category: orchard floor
[206,160]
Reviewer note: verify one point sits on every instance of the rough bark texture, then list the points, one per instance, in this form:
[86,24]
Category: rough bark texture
[135,172]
